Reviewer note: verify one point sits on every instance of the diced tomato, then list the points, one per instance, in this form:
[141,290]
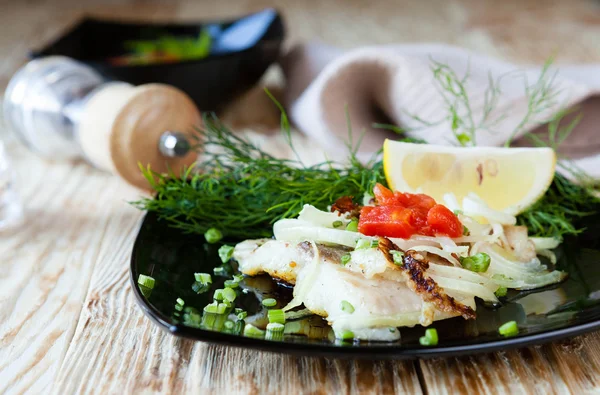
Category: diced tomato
[404,214]
[414,200]
[386,221]
[443,221]
[383,196]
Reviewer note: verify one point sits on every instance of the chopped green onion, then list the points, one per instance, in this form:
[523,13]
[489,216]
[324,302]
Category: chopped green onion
[214,316]
[228,325]
[238,278]
[269,302]
[232,327]
[274,331]
[276,316]
[500,292]
[180,301]
[218,295]
[242,315]
[229,294]
[178,307]
[466,231]
[192,318]
[392,329]
[213,235]
[146,292]
[458,212]
[337,224]
[362,244]
[509,329]
[231,284]
[374,243]
[346,307]
[200,287]
[353,225]
[216,308]
[225,253]
[219,271]
[345,259]
[204,278]
[430,338]
[146,281]
[476,263]
[211,307]
[398,257]
[345,335]
[252,331]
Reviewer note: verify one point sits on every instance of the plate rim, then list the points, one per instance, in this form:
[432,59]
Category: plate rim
[330,350]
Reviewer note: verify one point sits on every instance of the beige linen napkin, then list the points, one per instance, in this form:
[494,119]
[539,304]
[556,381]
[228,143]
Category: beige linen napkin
[395,84]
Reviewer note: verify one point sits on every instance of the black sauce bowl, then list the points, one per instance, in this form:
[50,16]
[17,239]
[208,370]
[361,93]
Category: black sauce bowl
[242,51]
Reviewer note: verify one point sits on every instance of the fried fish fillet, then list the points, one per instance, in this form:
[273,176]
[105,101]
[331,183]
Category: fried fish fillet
[382,294]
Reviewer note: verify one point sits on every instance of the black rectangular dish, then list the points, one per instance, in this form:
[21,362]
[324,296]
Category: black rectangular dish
[240,51]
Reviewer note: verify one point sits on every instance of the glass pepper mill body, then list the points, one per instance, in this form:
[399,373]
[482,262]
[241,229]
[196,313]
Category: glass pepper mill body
[62,109]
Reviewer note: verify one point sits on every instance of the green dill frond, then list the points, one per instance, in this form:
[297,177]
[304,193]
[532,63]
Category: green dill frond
[242,190]
[560,211]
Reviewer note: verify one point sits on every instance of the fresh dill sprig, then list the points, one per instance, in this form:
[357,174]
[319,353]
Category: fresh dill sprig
[242,190]
[465,126]
[560,210]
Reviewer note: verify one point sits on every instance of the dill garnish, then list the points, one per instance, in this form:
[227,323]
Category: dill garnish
[558,211]
[242,190]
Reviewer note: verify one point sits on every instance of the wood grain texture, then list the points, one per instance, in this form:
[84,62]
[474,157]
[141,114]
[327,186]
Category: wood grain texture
[68,319]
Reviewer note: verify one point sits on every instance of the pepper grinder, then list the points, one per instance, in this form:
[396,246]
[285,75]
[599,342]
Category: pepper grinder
[63,109]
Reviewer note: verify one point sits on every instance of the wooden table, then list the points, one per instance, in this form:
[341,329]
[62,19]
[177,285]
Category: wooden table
[68,319]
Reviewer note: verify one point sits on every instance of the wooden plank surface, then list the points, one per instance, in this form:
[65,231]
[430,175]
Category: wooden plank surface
[68,319]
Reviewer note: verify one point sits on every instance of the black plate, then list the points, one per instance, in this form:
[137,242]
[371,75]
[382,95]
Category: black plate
[242,51]
[556,312]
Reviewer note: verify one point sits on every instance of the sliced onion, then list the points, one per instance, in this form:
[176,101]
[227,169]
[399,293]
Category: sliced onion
[296,230]
[317,217]
[474,239]
[532,281]
[451,202]
[545,243]
[519,275]
[533,266]
[436,251]
[407,244]
[548,254]
[446,243]
[460,273]
[477,208]
[465,287]
[475,228]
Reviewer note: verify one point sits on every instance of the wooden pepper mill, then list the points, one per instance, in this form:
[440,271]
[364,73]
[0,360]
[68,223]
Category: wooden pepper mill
[61,108]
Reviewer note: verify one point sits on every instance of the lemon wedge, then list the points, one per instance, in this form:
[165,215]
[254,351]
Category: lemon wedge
[507,179]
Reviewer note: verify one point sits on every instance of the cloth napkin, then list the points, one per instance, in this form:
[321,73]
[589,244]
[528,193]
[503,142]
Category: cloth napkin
[395,84]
